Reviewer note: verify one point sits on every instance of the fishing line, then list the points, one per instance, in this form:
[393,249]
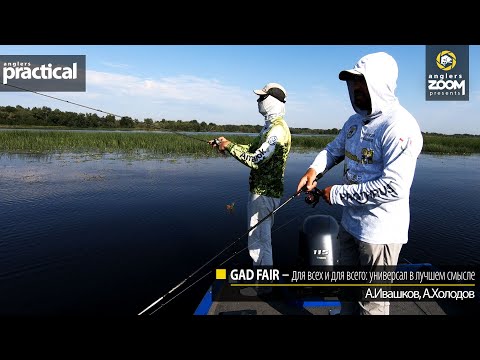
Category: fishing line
[222,263]
[91,108]
[189,136]
[228,247]
[56,98]
[204,141]
[220,253]
[415,302]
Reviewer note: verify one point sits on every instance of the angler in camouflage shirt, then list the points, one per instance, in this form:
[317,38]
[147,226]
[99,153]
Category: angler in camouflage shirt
[267,157]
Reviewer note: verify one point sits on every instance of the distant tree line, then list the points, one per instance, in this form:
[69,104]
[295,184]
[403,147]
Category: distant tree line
[454,135]
[45,116]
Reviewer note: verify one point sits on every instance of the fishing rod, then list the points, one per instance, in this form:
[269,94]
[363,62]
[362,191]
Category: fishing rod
[102,111]
[217,255]
[191,137]
[310,199]
[219,265]
[56,98]
[216,141]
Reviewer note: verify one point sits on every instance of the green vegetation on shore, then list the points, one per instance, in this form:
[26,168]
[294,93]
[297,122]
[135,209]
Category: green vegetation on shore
[156,143]
[20,117]
[451,144]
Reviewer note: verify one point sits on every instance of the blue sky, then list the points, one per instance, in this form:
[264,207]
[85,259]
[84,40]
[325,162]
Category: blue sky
[214,83]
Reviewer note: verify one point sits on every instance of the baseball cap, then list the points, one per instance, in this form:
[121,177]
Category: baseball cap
[348,74]
[273,89]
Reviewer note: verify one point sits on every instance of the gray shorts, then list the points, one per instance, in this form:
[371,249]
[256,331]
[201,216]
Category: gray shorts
[354,252]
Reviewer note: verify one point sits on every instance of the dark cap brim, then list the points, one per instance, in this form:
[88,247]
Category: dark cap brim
[349,74]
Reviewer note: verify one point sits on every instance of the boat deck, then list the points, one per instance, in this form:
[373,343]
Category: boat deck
[229,299]
[272,305]
[280,303]
[279,308]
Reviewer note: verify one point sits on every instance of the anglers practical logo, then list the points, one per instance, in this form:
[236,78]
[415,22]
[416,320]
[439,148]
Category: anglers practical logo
[447,72]
[42,72]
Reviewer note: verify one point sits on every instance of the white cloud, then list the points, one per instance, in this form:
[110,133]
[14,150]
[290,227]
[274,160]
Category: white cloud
[187,97]
[181,88]
[116,65]
[182,97]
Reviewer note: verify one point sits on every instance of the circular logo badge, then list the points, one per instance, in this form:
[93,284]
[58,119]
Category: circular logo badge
[351,131]
[446,60]
[272,140]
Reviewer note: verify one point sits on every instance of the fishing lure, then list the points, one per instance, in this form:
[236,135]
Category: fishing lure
[231,207]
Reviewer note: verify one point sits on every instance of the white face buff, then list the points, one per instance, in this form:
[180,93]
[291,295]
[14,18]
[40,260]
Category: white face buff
[261,105]
[268,105]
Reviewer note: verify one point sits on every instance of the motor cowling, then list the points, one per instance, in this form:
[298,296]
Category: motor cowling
[318,241]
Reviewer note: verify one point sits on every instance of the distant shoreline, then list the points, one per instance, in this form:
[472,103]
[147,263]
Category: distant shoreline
[296,131]
[171,143]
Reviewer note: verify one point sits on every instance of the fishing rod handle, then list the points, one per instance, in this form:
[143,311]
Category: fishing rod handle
[318,177]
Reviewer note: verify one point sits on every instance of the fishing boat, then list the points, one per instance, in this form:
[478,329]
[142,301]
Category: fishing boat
[328,305]
[318,249]
[410,288]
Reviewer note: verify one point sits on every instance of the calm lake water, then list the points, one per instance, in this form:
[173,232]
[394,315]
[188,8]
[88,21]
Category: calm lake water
[106,235]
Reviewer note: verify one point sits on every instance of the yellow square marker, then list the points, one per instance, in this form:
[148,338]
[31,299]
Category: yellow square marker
[221,274]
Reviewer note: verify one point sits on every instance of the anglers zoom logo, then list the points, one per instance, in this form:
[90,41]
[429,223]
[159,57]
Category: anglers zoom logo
[42,72]
[446,60]
[447,72]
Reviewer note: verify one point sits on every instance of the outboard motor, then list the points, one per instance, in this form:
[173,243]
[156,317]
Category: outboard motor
[318,244]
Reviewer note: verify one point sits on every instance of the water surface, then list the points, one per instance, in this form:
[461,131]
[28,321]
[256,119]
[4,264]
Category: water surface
[106,235]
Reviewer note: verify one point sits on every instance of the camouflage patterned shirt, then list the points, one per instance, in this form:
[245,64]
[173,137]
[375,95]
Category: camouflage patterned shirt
[267,157]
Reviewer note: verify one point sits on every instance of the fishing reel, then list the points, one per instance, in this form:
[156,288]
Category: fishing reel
[216,143]
[312,197]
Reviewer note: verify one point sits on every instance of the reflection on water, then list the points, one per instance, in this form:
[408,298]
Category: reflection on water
[105,234]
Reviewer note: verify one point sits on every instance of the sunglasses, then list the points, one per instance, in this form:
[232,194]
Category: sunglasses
[262,97]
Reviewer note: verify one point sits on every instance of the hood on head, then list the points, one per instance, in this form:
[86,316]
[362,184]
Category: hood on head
[381,72]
